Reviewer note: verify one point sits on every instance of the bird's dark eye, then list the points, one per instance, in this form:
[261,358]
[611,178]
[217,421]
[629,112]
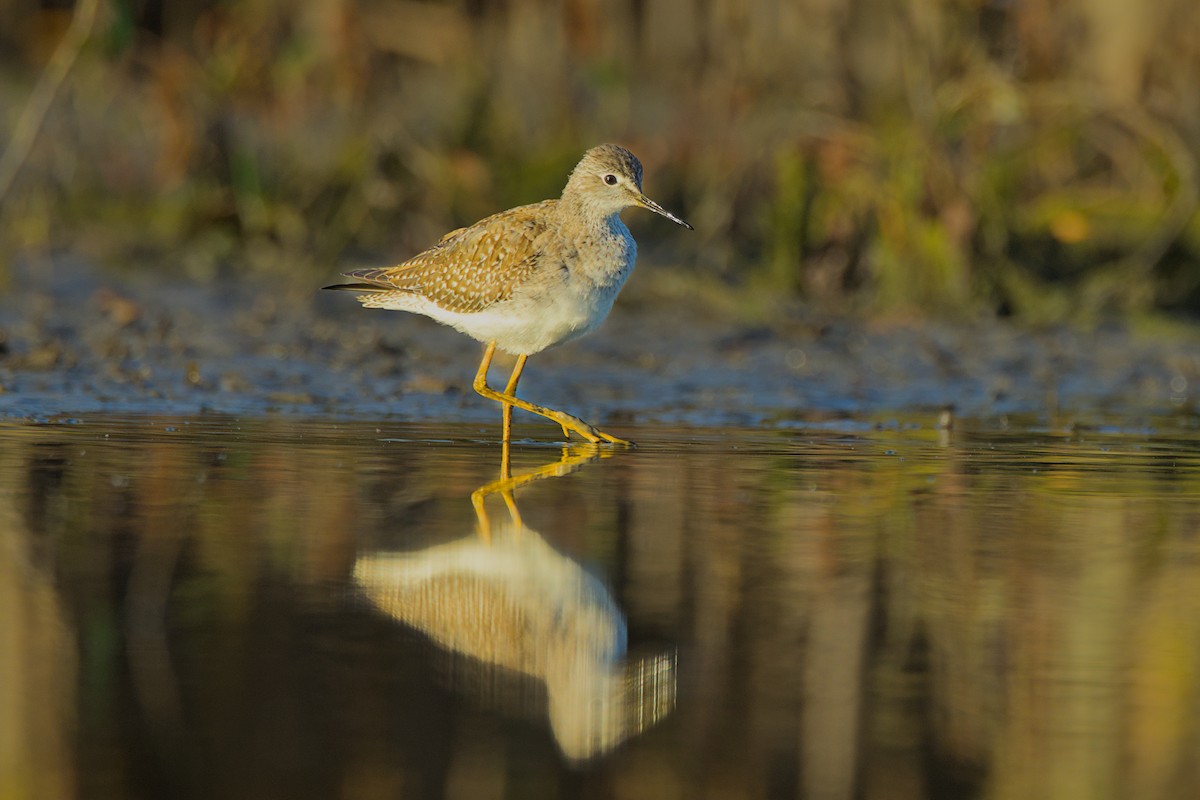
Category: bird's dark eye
[610,179]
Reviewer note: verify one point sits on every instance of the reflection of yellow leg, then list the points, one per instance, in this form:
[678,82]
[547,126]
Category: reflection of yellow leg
[507,399]
[513,511]
[572,458]
[485,524]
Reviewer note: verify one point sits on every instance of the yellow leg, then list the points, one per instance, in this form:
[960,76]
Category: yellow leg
[511,389]
[507,399]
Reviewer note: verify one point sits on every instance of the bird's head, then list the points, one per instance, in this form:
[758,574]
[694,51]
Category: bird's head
[609,178]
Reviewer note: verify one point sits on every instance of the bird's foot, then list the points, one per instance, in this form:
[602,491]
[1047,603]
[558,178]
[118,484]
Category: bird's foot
[608,437]
[594,435]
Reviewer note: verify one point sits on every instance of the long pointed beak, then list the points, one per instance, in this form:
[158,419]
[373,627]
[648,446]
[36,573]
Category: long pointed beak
[646,202]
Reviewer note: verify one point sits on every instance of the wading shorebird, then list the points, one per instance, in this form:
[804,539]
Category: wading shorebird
[528,278]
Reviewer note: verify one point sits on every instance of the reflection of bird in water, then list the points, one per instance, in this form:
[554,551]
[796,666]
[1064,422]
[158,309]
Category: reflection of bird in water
[507,598]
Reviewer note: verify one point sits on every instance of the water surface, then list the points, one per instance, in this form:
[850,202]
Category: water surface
[215,607]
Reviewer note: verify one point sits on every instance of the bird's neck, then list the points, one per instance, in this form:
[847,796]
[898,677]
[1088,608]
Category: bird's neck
[576,214]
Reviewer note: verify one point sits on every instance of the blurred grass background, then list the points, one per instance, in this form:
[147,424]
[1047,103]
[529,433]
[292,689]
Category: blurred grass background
[1028,158]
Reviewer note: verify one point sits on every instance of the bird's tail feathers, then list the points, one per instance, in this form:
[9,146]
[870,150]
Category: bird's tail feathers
[369,288]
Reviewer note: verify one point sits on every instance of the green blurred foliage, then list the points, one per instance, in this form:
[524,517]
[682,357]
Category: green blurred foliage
[1029,158]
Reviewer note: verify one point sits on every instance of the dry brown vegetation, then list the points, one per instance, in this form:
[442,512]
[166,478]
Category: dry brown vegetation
[1033,158]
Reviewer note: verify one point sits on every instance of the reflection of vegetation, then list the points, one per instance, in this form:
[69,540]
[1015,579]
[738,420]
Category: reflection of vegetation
[898,155]
[992,614]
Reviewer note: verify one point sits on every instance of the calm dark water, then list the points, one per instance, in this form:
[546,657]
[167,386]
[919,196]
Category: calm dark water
[276,608]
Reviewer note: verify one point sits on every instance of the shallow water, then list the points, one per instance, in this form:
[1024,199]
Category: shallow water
[214,607]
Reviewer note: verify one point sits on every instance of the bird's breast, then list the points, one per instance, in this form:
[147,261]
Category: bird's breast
[604,257]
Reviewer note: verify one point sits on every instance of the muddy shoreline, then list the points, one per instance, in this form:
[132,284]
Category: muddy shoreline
[79,340]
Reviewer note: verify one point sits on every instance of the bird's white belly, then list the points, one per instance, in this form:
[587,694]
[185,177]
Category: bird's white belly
[530,325]
[528,322]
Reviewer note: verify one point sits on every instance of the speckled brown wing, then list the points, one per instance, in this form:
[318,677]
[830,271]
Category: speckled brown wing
[475,267]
